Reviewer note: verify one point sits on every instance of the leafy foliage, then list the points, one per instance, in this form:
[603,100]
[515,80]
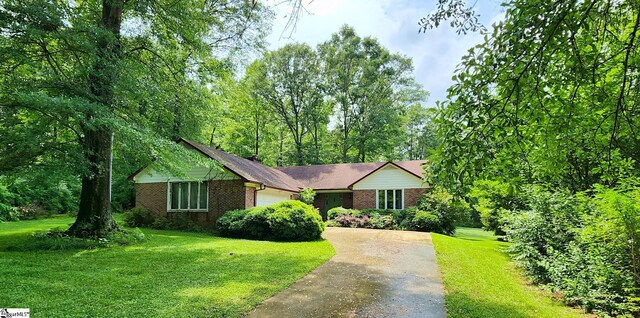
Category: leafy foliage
[285,221]
[58,240]
[441,204]
[493,200]
[138,217]
[436,212]
[549,97]
[78,75]
[583,246]
[307,195]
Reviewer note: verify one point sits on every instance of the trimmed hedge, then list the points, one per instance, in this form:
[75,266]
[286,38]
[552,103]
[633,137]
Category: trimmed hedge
[284,221]
[437,211]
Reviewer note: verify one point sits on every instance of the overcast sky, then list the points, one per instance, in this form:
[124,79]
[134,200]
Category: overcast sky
[395,24]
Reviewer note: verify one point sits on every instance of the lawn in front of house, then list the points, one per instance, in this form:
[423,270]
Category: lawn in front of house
[481,281]
[173,274]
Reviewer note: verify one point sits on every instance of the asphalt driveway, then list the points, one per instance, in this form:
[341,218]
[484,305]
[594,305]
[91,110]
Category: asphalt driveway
[375,273]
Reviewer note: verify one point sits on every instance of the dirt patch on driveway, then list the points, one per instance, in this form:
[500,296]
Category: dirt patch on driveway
[375,273]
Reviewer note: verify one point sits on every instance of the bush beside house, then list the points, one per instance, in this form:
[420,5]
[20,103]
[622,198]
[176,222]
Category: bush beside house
[284,221]
[436,211]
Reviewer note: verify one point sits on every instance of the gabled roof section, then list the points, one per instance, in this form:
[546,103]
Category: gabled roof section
[331,177]
[252,171]
[413,167]
[343,175]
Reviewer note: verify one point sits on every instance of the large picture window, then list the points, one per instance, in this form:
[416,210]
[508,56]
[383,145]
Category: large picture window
[187,196]
[392,199]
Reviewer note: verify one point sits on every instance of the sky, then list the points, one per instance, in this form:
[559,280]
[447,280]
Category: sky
[394,23]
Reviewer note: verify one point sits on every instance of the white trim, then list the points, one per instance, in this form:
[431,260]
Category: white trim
[189,182]
[385,199]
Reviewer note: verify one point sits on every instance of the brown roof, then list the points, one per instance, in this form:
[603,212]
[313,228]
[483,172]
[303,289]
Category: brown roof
[252,171]
[339,176]
[412,166]
[343,175]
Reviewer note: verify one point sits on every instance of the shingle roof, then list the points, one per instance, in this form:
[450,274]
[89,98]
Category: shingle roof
[412,166]
[252,171]
[331,177]
[344,175]
[339,176]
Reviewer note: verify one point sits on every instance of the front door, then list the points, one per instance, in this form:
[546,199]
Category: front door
[333,200]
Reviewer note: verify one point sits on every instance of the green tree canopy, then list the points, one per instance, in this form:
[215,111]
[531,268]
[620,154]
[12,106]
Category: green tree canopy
[77,73]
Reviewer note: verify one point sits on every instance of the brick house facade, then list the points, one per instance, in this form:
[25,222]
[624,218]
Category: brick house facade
[224,195]
[246,183]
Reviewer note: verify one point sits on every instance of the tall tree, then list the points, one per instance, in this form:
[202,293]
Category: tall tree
[550,96]
[289,84]
[249,124]
[420,136]
[365,81]
[92,68]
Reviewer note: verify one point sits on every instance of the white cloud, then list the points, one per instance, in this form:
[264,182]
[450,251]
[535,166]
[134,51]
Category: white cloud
[395,24]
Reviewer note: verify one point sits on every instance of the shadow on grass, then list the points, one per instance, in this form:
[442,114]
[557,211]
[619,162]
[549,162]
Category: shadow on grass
[173,274]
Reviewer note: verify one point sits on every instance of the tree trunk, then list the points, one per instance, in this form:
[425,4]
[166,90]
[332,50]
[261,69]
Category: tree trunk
[257,141]
[94,215]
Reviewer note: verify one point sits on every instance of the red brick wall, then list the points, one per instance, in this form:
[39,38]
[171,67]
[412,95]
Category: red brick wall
[152,196]
[364,199]
[224,195]
[319,201]
[411,196]
[250,197]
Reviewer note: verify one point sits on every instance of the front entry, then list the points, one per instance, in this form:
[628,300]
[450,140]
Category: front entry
[333,200]
[326,201]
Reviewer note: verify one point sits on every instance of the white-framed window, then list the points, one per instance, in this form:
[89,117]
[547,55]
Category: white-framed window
[188,196]
[391,199]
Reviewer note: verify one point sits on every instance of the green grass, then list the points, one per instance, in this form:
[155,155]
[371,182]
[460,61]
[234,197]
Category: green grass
[481,281]
[174,274]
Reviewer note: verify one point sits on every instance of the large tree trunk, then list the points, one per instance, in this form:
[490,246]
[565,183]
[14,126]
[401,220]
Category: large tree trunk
[94,216]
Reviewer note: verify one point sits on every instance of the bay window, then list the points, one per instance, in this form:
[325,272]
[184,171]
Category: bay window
[185,196]
[390,199]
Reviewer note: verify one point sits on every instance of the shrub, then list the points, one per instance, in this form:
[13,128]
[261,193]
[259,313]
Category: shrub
[32,212]
[231,224]
[307,195]
[443,206]
[340,211]
[182,222]
[332,223]
[353,221]
[493,200]
[138,217]
[8,214]
[255,224]
[294,221]
[161,223]
[57,239]
[378,221]
[426,222]
[585,246]
[284,221]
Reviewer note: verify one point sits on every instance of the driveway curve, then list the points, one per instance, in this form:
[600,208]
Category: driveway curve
[375,273]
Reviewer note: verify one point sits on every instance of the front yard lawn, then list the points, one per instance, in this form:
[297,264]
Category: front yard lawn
[174,274]
[481,281]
